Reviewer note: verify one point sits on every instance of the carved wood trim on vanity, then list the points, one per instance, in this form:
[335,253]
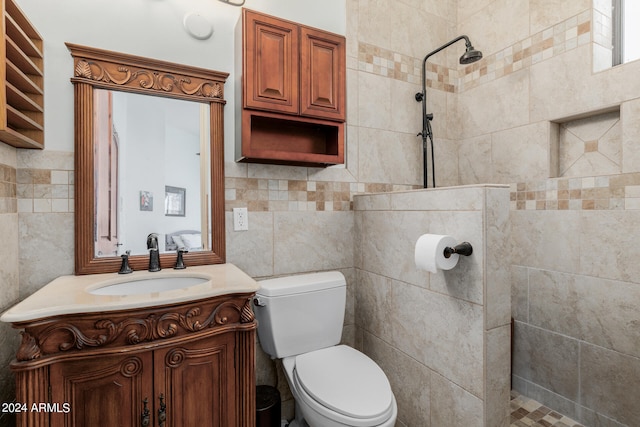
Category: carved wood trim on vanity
[49,337]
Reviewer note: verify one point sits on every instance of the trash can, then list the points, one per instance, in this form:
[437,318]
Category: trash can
[267,406]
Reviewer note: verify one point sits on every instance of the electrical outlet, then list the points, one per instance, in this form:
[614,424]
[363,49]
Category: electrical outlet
[240,219]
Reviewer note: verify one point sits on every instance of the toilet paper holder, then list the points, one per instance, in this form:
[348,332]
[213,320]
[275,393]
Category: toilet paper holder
[463,248]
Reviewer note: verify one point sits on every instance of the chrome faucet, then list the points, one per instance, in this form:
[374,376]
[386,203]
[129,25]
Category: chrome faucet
[154,253]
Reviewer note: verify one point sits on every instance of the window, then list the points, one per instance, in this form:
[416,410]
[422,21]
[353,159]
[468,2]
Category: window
[626,32]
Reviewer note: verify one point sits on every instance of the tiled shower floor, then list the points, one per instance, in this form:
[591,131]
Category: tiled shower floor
[527,412]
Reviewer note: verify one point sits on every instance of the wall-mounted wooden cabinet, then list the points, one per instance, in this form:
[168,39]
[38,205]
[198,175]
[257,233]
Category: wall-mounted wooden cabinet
[22,80]
[293,93]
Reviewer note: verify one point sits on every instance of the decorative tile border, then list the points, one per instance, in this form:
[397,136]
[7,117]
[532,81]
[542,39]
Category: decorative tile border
[44,190]
[8,190]
[612,192]
[553,41]
[298,195]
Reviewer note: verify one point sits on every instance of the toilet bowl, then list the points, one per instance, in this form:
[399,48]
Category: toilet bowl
[300,321]
[338,387]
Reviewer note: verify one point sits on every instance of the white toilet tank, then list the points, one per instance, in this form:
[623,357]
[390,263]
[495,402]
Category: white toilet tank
[299,314]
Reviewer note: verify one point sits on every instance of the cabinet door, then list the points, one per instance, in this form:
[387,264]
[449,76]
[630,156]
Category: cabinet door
[198,381]
[270,70]
[102,391]
[322,74]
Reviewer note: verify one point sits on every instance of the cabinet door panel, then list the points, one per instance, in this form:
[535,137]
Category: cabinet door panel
[198,380]
[102,392]
[322,83]
[270,64]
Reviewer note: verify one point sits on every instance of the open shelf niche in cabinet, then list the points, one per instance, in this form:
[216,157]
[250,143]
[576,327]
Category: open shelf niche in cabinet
[22,77]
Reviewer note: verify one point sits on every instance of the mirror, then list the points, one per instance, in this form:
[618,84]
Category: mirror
[149,158]
[150,173]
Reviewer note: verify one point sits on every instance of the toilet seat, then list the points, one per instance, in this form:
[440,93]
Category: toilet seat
[344,385]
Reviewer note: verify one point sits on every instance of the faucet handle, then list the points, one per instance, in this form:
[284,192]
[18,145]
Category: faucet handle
[152,241]
[124,267]
[180,260]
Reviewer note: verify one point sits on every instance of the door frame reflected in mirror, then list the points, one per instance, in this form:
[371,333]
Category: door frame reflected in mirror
[103,69]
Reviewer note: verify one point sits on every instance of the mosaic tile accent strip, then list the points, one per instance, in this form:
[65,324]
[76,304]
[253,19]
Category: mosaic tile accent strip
[527,412]
[553,41]
[613,192]
[44,190]
[8,190]
[259,194]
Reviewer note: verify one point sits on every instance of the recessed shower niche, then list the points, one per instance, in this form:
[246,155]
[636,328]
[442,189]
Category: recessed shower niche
[588,145]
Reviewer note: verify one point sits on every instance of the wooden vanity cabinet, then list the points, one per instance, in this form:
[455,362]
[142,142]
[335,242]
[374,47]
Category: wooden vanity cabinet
[193,364]
[293,93]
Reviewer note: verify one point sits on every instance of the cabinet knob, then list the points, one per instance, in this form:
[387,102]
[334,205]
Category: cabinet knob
[144,417]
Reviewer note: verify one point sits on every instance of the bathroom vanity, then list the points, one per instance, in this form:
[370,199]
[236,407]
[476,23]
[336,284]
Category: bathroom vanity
[142,349]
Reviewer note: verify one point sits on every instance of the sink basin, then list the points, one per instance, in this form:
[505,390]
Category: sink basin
[147,286]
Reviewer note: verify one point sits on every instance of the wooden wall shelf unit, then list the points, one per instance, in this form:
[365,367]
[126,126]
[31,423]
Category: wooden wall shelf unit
[292,94]
[22,77]
[182,364]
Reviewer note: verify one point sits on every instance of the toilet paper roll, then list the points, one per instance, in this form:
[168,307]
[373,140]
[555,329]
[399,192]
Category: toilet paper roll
[429,252]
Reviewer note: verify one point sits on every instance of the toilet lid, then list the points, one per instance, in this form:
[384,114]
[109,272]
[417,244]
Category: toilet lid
[345,380]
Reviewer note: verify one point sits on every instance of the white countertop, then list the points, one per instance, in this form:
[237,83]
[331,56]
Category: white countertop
[70,294]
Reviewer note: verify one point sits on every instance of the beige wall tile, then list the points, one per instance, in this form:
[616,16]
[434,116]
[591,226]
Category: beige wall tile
[410,380]
[492,28]
[587,308]
[547,239]
[48,256]
[467,8]
[251,250]
[377,163]
[498,385]
[374,307]
[497,258]
[312,241]
[521,154]
[548,359]
[388,243]
[447,336]
[374,101]
[520,293]
[406,113]
[618,398]
[487,108]
[546,13]
[612,249]
[452,405]
[441,199]
[629,113]
[474,157]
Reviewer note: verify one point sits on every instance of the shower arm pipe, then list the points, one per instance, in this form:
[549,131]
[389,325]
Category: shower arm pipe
[426,132]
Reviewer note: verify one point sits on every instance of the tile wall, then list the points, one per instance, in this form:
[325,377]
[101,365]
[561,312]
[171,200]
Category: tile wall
[443,339]
[9,272]
[573,204]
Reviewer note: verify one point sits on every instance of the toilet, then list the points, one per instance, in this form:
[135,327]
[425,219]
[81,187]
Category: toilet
[300,321]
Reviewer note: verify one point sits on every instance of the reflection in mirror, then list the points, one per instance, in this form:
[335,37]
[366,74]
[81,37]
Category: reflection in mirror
[149,173]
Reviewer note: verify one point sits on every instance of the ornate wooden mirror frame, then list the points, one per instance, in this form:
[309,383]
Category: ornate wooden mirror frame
[102,69]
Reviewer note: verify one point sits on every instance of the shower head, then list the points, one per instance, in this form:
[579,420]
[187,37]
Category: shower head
[470,55]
